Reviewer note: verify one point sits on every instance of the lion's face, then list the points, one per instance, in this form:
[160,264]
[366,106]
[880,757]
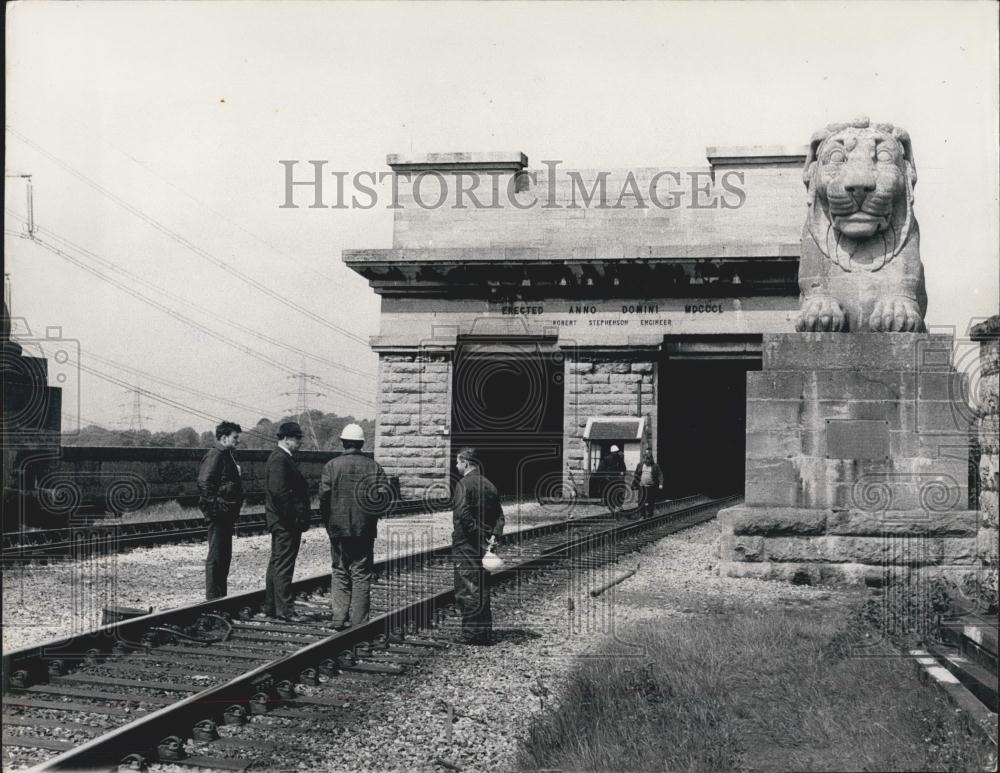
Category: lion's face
[860,177]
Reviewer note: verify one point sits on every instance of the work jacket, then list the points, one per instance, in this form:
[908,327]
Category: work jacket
[354,493]
[286,493]
[657,476]
[219,484]
[477,512]
[612,464]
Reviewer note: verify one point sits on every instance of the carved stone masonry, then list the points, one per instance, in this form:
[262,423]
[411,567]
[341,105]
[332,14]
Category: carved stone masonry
[860,268]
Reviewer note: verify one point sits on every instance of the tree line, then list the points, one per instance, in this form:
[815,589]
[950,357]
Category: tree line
[326,427]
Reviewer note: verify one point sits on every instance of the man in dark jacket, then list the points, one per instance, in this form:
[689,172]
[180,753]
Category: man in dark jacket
[353,494]
[477,517]
[286,508]
[647,480]
[221,490]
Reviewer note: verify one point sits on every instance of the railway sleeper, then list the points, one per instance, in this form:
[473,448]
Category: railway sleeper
[260,657]
[18,720]
[82,692]
[82,708]
[372,668]
[236,742]
[164,668]
[267,652]
[117,682]
[37,742]
[269,627]
[171,751]
[281,638]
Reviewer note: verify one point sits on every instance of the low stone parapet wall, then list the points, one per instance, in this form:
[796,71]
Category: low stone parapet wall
[819,546]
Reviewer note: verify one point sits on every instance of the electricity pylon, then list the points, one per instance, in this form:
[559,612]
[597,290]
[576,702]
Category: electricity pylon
[301,409]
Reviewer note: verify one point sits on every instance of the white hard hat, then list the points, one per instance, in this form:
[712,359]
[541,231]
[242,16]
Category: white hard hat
[353,432]
[614,448]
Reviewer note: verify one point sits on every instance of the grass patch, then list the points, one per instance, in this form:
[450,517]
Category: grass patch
[754,690]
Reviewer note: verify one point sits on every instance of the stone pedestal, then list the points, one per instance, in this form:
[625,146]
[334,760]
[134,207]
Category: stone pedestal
[857,461]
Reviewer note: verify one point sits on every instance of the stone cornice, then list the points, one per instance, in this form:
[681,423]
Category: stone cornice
[620,271]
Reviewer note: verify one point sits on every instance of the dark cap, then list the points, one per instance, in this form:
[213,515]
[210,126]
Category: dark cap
[289,429]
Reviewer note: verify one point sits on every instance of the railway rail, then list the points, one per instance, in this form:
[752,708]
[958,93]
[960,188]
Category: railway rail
[159,687]
[24,546]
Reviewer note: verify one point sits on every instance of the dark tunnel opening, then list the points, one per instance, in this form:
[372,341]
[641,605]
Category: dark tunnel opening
[702,425]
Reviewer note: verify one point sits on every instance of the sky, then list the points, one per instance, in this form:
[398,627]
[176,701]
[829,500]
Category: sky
[152,132]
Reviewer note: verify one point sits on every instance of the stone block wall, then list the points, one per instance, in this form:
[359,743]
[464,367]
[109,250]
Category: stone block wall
[549,211]
[71,485]
[810,382]
[603,385]
[986,398]
[414,413]
[857,461]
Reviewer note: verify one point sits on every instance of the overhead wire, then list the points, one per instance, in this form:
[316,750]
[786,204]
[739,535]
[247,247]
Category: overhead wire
[55,249]
[263,412]
[187,244]
[209,208]
[161,398]
[111,265]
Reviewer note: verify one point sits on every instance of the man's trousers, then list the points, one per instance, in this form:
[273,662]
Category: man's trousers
[220,556]
[472,591]
[278,600]
[351,560]
[647,500]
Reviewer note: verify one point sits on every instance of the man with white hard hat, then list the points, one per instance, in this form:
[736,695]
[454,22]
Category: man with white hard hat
[354,493]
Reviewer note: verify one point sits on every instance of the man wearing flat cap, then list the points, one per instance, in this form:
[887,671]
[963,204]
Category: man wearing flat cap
[286,508]
[477,517]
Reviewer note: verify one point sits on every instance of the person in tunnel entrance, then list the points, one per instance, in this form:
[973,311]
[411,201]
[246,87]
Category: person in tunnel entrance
[611,472]
[478,516]
[648,481]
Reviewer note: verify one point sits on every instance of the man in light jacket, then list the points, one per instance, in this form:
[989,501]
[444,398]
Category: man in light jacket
[354,493]
[648,480]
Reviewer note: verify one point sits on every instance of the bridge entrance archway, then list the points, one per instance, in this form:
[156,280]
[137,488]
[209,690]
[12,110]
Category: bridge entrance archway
[702,417]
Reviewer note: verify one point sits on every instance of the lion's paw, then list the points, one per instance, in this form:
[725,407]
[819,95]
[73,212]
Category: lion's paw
[895,314]
[821,313]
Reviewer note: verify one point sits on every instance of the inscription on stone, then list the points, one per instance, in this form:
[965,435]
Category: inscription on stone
[857,439]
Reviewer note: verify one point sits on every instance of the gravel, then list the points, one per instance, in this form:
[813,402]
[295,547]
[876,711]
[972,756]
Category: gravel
[404,726]
[544,627]
[47,601]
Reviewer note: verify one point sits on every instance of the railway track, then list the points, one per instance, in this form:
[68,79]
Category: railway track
[157,688]
[24,546]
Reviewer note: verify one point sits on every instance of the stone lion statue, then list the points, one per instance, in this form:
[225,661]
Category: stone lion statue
[860,266]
